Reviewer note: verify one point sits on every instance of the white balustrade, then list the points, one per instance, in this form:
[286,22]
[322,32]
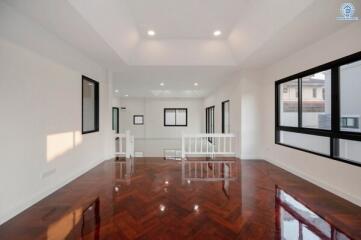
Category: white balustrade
[124,144]
[208,144]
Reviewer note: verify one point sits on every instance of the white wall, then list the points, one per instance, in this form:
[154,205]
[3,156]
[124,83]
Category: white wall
[252,114]
[41,144]
[153,137]
[242,89]
[337,177]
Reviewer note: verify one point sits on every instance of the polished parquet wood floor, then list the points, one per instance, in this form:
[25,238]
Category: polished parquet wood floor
[151,198]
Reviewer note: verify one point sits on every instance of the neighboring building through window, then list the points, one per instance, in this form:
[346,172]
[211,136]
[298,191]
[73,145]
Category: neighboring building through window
[90,105]
[175,117]
[314,92]
[350,123]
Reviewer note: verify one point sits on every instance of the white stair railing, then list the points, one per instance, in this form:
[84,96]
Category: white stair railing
[124,144]
[208,144]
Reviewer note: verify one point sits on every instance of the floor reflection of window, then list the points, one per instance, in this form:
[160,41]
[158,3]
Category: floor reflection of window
[94,211]
[296,221]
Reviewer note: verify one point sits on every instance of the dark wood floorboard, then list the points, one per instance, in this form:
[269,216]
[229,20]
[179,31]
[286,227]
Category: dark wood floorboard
[200,199]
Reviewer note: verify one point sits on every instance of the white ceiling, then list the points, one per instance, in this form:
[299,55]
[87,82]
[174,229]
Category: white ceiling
[178,81]
[186,19]
[113,33]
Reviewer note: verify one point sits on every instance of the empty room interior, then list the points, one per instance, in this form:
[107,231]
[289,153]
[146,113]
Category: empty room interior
[170,119]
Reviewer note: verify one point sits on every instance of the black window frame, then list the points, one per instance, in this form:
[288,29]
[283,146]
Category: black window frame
[175,110]
[96,105]
[135,116]
[223,109]
[335,133]
[210,128]
[117,112]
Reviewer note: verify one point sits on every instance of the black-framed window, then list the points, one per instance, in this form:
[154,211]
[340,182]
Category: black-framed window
[324,116]
[175,117]
[115,119]
[90,105]
[138,119]
[226,127]
[210,119]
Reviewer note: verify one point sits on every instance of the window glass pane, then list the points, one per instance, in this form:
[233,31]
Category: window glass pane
[115,120]
[350,98]
[210,120]
[181,115]
[138,119]
[308,142]
[89,111]
[316,100]
[350,150]
[226,117]
[170,117]
[289,225]
[289,103]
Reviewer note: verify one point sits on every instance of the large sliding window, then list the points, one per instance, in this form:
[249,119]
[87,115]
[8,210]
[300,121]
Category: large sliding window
[318,110]
[175,117]
[90,105]
[210,119]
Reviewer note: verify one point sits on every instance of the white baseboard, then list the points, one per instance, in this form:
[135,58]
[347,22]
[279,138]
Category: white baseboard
[321,184]
[23,205]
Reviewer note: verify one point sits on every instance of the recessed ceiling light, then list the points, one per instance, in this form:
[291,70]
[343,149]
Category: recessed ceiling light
[126,95]
[162,207]
[166,182]
[162,84]
[116,90]
[195,84]
[151,32]
[217,33]
[196,207]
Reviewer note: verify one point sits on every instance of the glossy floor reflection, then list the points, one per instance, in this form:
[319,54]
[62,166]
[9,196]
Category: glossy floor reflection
[156,199]
[296,221]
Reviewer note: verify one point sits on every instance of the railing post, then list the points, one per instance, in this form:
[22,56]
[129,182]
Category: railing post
[128,147]
[133,145]
[183,147]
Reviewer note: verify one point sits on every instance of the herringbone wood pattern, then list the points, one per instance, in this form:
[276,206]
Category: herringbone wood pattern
[151,201]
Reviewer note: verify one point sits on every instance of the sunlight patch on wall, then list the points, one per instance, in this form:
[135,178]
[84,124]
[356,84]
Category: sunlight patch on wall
[60,143]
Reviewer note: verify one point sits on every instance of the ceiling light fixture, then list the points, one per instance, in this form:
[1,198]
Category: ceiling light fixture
[151,33]
[126,95]
[217,33]
[116,90]
[162,84]
[195,84]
